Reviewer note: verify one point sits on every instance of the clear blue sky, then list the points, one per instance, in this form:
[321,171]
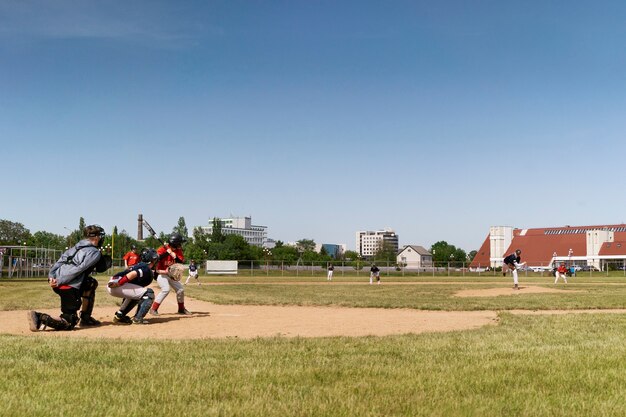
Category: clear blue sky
[317,118]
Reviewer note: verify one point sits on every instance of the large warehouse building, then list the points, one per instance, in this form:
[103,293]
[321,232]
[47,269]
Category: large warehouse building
[595,246]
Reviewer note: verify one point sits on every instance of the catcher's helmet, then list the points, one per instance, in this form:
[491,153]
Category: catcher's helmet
[94,230]
[176,240]
[149,255]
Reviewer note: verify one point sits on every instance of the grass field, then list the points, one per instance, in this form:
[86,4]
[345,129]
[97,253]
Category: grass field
[540,365]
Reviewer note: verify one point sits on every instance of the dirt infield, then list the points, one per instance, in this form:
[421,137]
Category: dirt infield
[246,322]
[494,292]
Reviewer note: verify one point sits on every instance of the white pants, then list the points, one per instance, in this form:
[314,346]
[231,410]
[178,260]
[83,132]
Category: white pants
[128,290]
[559,275]
[330,275]
[193,274]
[514,272]
[166,283]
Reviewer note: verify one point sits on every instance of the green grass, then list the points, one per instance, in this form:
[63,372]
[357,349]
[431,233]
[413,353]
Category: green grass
[565,365]
[526,366]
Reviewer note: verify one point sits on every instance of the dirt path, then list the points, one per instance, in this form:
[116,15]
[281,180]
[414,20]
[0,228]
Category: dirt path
[240,321]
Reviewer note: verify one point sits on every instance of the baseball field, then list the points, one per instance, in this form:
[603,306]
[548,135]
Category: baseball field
[276,346]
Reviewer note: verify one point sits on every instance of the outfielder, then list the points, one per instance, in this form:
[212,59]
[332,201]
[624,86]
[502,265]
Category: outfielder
[170,254]
[331,268]
[193,272]
[513,263]
[69,278]
[130,285]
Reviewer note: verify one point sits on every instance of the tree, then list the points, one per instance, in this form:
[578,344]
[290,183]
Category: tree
[350,255]
[76,235]
[48,240]
[12,233]
[181,228]
[304,245]
[443,252]
[287,254]
[472,255]
[216,235]
[386,252]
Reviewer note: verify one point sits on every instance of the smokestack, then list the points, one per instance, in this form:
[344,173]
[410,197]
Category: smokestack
[140,227]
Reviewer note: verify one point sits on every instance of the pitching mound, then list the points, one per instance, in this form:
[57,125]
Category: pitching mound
[494,292]
[246,322]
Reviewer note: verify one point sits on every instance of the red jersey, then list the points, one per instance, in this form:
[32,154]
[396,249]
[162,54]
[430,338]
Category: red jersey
[168,260]
[131,258]
[562,269]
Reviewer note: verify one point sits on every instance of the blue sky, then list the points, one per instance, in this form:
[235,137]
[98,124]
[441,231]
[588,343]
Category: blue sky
[318,118]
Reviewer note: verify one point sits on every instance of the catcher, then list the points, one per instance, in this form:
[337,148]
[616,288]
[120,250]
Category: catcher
[170,271]
[70,279]
[131,285]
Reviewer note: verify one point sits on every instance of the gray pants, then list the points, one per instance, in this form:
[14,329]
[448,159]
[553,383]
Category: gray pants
[166,283]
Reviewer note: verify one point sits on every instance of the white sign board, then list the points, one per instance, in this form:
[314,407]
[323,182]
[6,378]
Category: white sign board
[221,267]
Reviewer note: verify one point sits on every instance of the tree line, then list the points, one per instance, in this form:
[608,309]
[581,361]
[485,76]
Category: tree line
[216,245]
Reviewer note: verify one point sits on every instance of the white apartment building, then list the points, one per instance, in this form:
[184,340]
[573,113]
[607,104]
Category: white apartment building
[369,242]
[242,226]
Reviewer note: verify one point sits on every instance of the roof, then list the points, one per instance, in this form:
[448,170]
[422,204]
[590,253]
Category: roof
[539,245]
[613,248]
[419,249]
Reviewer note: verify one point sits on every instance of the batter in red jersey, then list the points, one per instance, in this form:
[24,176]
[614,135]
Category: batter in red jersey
[170,254]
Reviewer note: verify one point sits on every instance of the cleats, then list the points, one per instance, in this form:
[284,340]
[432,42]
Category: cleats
[89,321]
[34,321]
[121,319]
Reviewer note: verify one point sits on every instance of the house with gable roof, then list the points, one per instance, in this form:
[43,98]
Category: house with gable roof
[413,256]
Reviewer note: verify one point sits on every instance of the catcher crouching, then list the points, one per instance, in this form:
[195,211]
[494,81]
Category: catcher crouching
[131,285]
[170,270]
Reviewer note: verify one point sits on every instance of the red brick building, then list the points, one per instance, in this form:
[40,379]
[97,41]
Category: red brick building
[576,245]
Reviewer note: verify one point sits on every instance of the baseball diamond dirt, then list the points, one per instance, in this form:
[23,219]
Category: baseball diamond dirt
[251,321]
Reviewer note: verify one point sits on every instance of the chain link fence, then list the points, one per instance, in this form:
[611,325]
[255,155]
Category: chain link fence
[27,262]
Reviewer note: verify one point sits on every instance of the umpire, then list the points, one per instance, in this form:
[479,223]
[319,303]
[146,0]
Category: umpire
[69,278]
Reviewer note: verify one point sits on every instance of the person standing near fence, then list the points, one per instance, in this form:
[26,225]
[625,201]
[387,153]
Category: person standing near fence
[70,280]
[374,272]
[331,269]
[131,258]
[561,272]
[513,263]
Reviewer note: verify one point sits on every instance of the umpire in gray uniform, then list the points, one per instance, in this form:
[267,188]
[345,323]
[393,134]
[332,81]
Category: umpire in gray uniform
[69,278]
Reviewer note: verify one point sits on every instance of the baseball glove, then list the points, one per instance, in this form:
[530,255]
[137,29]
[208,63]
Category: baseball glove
[176,271]
[104,263]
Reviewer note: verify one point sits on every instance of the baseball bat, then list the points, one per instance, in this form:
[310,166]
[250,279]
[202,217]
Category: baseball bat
[151,231]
